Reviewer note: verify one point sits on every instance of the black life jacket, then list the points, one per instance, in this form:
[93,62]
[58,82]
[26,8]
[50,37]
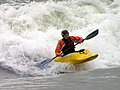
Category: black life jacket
[68,47]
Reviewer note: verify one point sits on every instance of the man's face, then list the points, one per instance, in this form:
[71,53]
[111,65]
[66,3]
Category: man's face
[66,36]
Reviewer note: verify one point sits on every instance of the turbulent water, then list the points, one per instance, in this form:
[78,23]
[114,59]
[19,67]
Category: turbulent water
[29,32]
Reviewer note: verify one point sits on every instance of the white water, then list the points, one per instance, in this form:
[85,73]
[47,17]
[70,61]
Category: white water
[29,33]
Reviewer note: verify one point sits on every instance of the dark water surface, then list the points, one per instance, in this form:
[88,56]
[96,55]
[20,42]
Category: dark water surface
[101,79]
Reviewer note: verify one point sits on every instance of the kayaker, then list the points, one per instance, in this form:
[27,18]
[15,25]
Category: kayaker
[66,44]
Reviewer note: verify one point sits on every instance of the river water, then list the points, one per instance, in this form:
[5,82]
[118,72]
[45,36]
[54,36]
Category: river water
[30,30]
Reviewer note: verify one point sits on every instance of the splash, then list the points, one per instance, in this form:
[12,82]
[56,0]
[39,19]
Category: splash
[29,33]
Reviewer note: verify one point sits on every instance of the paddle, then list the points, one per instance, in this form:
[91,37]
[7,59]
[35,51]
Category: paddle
[42,64]
[91,35]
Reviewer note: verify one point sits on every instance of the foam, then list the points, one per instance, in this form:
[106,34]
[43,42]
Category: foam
[29,34]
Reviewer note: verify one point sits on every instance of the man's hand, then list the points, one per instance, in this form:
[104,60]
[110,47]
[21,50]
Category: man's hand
[81,40]
[59,54]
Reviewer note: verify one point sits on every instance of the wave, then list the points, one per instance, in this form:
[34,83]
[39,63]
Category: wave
[29,33]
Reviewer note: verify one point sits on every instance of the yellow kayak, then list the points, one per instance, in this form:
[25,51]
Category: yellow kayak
[77,57]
